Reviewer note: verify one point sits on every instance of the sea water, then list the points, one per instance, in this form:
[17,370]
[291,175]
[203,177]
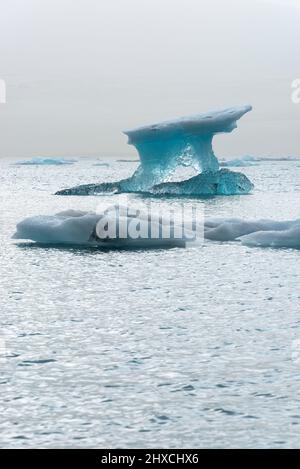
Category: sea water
[195,347]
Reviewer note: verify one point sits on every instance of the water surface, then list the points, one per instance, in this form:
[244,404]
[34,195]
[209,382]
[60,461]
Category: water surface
[196,347]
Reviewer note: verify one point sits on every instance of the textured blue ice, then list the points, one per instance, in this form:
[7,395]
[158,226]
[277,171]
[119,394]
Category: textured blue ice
[184,142]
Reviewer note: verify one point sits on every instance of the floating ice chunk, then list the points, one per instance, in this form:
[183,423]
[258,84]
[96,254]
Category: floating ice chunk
[127,161]
[289,238]
[264,233]
[45,161]
[69,227]
[278,159]
[254,160]
[240,162]
[209,183]
[74,227]
[104,165]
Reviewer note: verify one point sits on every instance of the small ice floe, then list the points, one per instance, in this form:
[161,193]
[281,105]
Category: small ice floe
[240,162]
[117,227]
[259,233]
[45,161]
[255,160]
[102,164]
[127,161]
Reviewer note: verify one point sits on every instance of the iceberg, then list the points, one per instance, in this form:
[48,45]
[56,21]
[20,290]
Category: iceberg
[184,142]
[45,161]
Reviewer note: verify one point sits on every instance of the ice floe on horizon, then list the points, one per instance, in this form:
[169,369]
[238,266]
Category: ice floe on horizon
[248,160]
[127,161]
[240,162]
[45,161]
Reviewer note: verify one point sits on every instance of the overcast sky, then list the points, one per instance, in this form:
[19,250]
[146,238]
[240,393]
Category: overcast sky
[80,71]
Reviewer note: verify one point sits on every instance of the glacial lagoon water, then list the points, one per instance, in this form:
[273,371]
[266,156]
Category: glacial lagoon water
[196,347]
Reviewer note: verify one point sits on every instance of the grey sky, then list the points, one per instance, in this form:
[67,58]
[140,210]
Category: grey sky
[80,71]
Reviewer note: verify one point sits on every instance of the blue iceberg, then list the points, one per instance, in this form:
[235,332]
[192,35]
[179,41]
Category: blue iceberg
[185,142]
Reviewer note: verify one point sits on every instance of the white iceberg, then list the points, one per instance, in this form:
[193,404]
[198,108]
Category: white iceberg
[78,228]
[260,233]
[90,229]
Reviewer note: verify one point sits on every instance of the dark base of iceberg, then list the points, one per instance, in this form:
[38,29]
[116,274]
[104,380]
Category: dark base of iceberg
[208,183]
[223,182]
